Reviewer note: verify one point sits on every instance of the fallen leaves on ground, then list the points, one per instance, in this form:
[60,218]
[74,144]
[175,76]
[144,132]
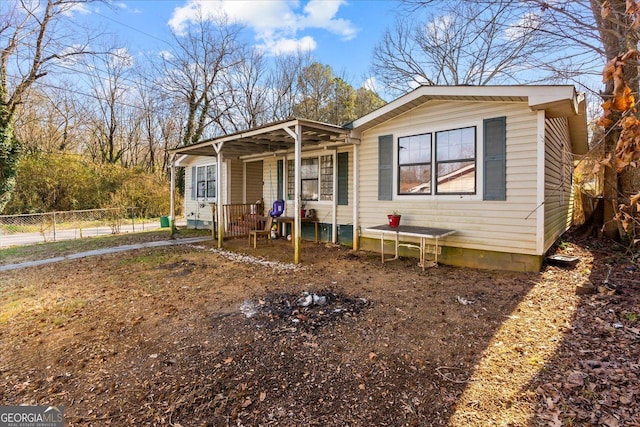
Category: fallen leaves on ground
[195,336]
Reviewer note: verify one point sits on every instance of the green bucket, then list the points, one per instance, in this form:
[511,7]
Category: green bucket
[164,222]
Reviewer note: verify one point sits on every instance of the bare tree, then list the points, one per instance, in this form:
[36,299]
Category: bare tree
[194,74]
[32,45]
[52,121]
[283,83]
[247,89]
[459,43]
[111,86]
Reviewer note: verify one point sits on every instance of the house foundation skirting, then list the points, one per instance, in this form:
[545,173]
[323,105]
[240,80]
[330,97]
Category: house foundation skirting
[345,231]
[472,258]
[199,224]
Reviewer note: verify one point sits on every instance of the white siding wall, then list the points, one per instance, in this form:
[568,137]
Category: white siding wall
[558,195]
[193,209]
[503,226]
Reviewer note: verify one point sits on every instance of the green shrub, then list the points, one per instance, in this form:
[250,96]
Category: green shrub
[64,182]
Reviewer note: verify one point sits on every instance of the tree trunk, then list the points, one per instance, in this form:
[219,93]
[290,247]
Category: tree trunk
[617,38]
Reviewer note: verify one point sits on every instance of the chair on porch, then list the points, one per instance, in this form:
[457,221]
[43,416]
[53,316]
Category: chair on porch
[266,231]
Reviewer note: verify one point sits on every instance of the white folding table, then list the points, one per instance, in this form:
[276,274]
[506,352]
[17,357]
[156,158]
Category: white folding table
[423,233]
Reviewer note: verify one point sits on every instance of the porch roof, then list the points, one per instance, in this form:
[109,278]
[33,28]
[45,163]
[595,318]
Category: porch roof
[270,138]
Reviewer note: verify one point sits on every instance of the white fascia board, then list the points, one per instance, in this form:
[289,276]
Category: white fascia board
[181,159]
[539,97]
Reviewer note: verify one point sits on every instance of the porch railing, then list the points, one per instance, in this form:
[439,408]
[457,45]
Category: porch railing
[239,219]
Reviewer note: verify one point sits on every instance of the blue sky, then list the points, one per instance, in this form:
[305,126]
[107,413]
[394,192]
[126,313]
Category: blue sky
[339,33]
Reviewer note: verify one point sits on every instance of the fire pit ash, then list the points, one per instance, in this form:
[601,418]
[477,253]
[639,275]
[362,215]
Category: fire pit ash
[307,310]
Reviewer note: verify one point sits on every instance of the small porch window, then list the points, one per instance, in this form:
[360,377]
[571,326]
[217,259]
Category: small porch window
[316,178]
[204,182]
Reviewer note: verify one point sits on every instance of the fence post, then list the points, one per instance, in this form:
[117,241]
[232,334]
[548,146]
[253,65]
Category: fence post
[133,223]
[54,226]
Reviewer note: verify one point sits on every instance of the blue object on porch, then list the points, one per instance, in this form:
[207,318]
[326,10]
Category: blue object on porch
[277,209]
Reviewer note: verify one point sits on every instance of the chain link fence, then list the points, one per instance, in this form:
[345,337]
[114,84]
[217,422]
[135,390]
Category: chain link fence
[65,225]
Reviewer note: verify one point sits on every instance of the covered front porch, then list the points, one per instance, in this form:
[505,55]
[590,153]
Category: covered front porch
[309,165]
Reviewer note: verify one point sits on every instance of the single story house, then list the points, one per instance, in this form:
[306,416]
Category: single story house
[493,163]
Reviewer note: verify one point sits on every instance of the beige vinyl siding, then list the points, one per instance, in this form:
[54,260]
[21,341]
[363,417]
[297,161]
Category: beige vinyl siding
[558,196]
[504,226]
[254,179]
[270,178]
[235,185]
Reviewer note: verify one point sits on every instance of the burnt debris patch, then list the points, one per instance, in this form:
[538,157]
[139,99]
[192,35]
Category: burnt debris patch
[307,311]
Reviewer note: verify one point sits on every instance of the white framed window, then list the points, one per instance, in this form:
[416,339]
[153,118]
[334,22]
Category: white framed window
[316,178]
[204,182]
[452,170]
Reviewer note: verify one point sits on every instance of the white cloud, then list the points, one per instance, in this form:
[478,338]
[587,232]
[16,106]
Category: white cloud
[286,45]
[121,58]
[527,24]
[277,24]
[73,8]
[166,55]
[371,84]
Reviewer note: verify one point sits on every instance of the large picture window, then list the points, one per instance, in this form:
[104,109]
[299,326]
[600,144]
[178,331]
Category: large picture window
[452,170]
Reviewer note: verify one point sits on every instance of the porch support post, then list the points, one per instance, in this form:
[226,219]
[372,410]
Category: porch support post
[172,203]
[219,213]
[297,196]
[334,205]
[356,186]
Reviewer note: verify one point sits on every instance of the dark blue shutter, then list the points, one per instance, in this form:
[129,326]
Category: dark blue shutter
[343,179]
[385,167]
[194,184]
[280,168]
[495,159]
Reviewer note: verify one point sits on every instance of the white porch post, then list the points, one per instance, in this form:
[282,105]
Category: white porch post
[219,213]
[297,196]
[334,207]
[356,186]
[172,203]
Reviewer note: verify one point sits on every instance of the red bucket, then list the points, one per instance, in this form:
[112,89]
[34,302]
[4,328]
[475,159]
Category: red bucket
[394,220]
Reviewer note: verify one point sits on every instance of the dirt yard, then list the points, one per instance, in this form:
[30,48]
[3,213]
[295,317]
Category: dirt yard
[192,336]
